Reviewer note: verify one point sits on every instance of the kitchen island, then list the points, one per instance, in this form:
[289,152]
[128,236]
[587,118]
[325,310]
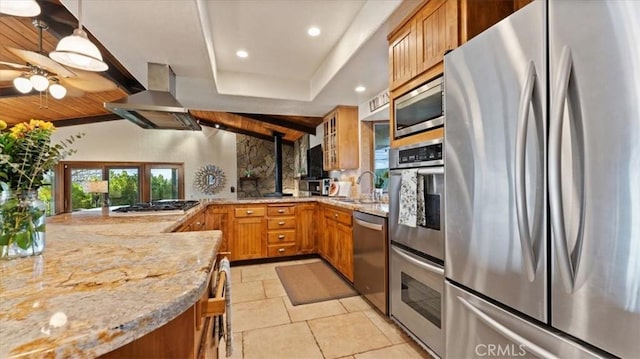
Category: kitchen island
[102,282]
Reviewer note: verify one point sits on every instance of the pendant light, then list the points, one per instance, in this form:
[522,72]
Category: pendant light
[77,51]
[24,8]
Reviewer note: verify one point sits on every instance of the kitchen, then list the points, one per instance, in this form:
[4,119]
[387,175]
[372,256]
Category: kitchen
[399,143]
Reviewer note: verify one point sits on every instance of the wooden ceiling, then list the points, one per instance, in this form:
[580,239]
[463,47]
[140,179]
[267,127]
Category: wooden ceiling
[87,107]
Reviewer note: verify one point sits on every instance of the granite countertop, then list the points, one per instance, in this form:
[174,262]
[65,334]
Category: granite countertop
[102,282]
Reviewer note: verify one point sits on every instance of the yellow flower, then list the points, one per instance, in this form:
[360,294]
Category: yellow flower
[3,125]
[41,124]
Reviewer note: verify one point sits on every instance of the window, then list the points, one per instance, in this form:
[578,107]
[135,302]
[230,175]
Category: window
[128,183]
[381,152]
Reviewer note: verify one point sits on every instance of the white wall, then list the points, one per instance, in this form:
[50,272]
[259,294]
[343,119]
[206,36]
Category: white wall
[122,141]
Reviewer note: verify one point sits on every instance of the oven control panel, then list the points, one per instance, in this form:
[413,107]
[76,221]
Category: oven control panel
[421,154]
[424,154]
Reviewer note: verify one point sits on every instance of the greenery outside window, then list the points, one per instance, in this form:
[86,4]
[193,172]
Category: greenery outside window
[129,183]
[381,147]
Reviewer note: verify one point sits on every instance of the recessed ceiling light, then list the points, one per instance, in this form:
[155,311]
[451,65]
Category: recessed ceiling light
[242,54]
[360,89]
[313,31]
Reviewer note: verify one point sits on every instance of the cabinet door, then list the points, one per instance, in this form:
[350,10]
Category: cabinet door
[305,228]
[436,32]
[248,239]
[344,239]
[330,159]
[217,218]
[195,223]
[330,240]
[402,55]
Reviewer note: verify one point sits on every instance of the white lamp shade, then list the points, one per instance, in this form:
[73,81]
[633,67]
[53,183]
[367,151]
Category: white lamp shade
[57,91]
[22,84]
[97,186]
[39,82]
[78,52]
[26,8]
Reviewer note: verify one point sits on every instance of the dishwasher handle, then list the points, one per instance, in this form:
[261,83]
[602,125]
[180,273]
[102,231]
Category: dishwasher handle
[372,226]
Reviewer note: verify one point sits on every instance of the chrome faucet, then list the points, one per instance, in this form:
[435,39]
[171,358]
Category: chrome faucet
[373,177]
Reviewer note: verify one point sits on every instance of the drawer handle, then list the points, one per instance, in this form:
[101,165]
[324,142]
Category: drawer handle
[249,212]
[281,250]
[335,215]
[281,223]
[281,211]
[281,236]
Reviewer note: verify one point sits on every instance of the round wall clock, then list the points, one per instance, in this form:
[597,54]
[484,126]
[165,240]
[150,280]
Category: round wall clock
[209,179]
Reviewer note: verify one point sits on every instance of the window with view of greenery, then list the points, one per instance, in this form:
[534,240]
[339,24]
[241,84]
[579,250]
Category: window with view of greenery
[381,152]
[127,184]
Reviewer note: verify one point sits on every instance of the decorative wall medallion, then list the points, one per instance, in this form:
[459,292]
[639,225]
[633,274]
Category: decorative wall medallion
[209,179]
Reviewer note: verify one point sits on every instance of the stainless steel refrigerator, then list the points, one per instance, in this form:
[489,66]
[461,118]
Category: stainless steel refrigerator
[542,184]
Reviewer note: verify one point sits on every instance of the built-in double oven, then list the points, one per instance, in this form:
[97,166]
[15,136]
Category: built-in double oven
[416,255]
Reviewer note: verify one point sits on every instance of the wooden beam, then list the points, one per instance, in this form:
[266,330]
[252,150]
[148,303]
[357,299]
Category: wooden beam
[86,120]
[278,122]
[205,122]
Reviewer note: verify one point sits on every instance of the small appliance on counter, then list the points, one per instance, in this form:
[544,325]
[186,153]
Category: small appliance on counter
[315,187]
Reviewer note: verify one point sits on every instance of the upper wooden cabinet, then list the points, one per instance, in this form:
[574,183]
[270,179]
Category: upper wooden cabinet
[418,45]
[340,143]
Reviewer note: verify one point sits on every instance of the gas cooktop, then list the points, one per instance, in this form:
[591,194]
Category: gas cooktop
[163,205]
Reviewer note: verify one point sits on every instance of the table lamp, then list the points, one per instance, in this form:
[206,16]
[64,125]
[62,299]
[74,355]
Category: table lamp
[99,188]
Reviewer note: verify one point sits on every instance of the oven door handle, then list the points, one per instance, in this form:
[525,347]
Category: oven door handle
[436,170]
[406,256]
[506,332]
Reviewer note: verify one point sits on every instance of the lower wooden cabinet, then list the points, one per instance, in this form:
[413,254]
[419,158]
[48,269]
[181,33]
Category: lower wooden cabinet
[336,245]
[248,240]
[306,227]
[218,218]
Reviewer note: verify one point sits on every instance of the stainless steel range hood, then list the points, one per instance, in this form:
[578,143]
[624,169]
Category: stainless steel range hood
[156,108]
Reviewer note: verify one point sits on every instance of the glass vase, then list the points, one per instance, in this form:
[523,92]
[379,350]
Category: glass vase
[22,218]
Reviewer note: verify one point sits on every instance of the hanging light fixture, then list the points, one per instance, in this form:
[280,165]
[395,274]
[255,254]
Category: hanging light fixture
[56,90]
[39,82]
[22,84]
[25,8]
[77,51]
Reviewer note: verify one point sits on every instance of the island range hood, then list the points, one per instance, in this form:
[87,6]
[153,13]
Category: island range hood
[156,108]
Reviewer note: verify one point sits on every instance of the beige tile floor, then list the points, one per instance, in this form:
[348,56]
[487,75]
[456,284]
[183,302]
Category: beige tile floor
[266,325]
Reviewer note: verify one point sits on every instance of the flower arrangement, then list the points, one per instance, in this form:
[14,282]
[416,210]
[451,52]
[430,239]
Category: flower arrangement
[26,155]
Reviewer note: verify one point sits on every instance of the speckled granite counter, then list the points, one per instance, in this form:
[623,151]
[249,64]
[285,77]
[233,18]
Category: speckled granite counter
[102,282]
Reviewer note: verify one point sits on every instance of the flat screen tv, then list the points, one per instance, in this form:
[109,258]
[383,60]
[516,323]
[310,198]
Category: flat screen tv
[314,163]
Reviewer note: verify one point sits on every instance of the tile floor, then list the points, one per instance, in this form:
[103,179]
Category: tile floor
[266,325]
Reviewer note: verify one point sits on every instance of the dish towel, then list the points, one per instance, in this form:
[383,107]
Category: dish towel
[225,266]
[408,211]
[412,206]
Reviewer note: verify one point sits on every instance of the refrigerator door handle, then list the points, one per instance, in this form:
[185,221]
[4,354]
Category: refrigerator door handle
[526,97]
[506,332]
[568,269]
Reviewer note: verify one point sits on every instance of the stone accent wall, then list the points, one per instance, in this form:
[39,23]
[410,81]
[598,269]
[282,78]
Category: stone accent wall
[259,156]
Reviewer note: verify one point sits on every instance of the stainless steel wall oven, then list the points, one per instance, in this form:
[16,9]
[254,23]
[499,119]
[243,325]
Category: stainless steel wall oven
[416,255]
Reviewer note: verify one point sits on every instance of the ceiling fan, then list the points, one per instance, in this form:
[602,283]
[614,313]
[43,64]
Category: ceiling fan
[41,73]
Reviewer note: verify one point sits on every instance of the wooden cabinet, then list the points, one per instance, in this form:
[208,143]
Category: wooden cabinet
[417,46]
[196,223]
[218,218]
[337,241]
[340,145]
[306,227]
[436,32]
[249,240]
[281,225]
[402,57]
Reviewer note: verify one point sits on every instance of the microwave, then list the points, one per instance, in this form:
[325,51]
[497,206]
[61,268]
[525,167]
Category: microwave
[319,187]
[419,110]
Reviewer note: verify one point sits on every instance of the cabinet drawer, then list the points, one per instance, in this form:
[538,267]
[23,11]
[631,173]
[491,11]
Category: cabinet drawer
[281,211]
[250,212]
[286,249]
[287,235]
[282,222]
[342,217]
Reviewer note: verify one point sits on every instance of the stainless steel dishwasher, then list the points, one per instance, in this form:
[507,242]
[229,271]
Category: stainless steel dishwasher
[370,259]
